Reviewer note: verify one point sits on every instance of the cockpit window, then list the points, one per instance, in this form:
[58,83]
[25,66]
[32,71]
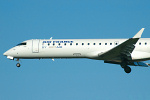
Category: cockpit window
[24,43]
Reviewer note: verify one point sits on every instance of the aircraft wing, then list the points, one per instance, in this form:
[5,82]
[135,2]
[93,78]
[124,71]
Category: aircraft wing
[123,50]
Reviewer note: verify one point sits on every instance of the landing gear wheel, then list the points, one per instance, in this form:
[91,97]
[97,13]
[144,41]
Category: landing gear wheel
[127,69]
[18,65]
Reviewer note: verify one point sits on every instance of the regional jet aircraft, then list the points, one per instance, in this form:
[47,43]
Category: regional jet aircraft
[124,52]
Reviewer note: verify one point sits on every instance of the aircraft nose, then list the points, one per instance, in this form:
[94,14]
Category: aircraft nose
[5,53]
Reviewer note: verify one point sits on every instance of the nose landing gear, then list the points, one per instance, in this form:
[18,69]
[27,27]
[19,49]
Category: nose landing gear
[18,64]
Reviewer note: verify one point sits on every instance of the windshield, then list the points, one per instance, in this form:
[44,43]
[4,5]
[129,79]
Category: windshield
[24,43]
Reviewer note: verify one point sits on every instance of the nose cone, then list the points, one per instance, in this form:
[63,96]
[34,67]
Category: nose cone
[8,54]
[5,53]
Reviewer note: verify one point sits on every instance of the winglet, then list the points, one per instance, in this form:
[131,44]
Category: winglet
[51,38]
[138,35]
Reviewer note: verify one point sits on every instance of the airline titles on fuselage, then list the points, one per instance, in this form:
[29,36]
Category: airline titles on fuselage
[54,44]
[57,41]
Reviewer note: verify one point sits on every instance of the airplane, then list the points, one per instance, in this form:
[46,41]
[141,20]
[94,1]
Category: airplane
[123,52]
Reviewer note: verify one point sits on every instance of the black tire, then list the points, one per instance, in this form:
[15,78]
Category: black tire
[127,69]
[18,65]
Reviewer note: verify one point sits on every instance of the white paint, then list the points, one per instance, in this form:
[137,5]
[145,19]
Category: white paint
[99,49]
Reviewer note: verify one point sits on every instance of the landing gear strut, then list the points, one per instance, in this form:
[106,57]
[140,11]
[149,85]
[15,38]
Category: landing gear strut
[18,64]
[126,68]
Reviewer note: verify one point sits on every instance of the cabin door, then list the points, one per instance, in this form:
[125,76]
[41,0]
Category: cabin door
[35,46]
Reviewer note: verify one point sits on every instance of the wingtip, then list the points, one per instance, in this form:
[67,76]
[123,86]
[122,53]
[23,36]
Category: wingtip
[139,34]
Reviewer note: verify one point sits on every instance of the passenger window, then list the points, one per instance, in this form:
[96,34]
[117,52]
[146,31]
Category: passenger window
[53,43]
[140,43]
[105,43]
[82,43]
[76,43]
[70,43]
[48,44]
[58,43]
[64,43]
[110,43]
[116,43]
[94,43]
[88,43]
[99,43]
[145,43]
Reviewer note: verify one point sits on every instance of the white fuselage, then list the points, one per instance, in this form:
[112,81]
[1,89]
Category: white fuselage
[75,48]
[115,51]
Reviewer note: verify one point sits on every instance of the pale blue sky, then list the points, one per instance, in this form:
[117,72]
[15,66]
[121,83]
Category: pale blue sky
[71,79]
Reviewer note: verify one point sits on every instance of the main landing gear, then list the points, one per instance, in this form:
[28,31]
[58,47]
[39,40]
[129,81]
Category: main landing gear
[127,69]
[18,64]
